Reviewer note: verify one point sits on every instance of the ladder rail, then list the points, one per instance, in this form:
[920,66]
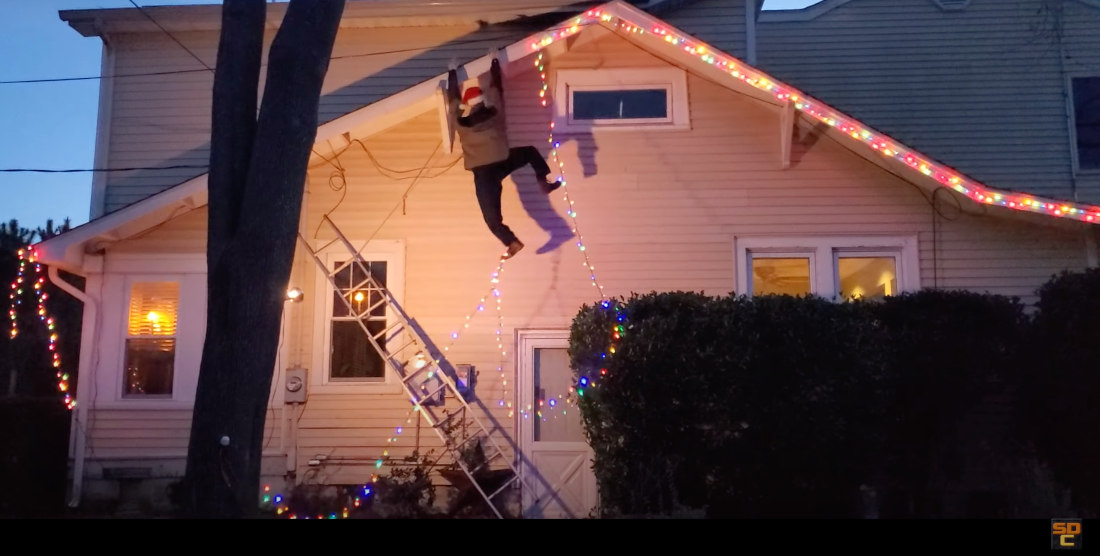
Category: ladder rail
[472,427]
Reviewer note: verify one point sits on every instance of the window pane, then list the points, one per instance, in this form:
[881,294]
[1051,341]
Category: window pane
[620,105]
[351,284]
[149,365]
[1086,116]
[154,308]
[789,276]
[552,377]
[352,354]
[867,277]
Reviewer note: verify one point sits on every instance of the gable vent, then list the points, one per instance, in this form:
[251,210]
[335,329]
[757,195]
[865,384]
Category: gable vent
[952,5]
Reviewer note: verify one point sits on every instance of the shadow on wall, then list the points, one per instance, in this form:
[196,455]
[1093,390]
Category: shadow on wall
[372,88]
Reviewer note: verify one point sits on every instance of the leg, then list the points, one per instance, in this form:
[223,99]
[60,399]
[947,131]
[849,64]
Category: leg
[519,157]
[488,188]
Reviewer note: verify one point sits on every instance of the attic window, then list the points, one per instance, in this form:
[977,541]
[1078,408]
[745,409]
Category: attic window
[1086,122]
[952,5]
[650,98]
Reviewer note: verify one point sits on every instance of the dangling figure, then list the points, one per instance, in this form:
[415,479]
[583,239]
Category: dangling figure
[484,137]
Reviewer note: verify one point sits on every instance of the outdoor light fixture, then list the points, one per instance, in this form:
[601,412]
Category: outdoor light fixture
[295,294]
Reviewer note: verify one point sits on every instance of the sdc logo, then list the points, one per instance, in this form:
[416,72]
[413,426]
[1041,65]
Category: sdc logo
[1066,534]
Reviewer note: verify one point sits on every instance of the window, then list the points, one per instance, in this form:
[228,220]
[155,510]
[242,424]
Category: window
[866,277]
[345,359]
[839,267]
[780,274]
[357,307]
[1086,122]
[621,99]
[151,339]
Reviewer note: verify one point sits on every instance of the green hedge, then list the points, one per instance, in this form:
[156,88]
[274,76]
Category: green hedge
[1061,391]
[779,406]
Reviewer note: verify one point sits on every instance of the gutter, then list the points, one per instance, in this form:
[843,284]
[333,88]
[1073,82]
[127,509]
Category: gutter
[77,435]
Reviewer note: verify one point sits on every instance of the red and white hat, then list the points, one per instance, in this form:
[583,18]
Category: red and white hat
[472,96]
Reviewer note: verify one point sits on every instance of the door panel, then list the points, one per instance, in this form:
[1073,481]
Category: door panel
[558,460]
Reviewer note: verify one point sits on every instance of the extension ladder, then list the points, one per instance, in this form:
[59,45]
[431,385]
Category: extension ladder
[429,380]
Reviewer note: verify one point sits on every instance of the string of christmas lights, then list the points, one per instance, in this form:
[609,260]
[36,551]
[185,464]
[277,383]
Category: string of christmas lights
[881,143]
[29,256]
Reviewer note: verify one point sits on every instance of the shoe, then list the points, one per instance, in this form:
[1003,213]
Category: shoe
[549,187]
[513,248]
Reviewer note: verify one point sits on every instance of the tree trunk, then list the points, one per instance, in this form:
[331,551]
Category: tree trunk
[256,180]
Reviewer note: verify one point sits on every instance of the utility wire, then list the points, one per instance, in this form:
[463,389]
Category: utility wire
[171,36]
[77,170]
[206,68]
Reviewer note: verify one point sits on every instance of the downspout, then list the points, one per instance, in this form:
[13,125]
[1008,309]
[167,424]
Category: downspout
[85,374]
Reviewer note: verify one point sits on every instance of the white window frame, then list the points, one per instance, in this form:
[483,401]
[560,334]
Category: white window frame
[673,80]
[823,253]
[393,253]
[121,272]
[1075,156]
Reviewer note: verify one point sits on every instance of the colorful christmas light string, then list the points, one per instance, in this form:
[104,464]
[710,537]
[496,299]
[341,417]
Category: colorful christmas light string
[881,143]
[28,256]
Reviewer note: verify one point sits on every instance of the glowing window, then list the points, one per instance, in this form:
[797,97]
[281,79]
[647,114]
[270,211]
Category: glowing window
[151,339]
[780,275]
[353,358]
[866,277]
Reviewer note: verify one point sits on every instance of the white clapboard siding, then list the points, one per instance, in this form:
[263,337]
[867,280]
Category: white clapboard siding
[980,89]
[659,211]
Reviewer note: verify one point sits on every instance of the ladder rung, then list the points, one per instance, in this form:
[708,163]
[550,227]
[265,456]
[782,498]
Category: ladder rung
[505,485]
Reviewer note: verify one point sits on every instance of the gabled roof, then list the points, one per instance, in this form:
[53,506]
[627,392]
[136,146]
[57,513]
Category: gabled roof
[649,32]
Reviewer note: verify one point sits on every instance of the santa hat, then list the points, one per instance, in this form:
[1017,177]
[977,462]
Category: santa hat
[472,96]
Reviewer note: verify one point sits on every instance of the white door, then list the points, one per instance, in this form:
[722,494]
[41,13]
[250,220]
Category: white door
[557,461]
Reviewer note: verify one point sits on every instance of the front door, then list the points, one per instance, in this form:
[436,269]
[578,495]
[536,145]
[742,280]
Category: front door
[557,462]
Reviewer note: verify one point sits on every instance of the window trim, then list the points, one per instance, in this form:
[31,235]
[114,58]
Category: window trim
[823,269]
[120,273]
[1075,157]
[393,253]
[672,79]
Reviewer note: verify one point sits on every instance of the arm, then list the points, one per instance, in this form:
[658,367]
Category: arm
[494,71]
[452,93]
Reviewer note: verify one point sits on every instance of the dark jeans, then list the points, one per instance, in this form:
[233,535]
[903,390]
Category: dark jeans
[487,182]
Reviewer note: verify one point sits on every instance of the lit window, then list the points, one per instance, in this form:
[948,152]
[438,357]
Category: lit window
[621,99]
[866,277]
[353,358]
[780,275]
[1086,120]
[151,339]
[839,267]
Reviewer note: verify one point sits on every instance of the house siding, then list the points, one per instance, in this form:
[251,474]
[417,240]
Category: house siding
[951,84]
[164,120]
[657,210]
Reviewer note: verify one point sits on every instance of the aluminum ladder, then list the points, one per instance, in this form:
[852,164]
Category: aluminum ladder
[429,380]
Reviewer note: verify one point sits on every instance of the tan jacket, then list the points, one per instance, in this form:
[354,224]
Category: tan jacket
[484,133]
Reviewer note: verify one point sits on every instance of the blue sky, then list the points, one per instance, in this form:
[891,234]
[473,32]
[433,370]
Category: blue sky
[52,125]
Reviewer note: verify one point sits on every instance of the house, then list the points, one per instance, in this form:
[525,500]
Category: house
[686,169]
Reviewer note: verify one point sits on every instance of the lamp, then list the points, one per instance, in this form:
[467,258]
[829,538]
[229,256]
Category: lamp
[295,294]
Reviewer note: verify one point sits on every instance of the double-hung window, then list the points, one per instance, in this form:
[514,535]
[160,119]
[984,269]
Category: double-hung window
[351,311]
[151,339]
[841,267]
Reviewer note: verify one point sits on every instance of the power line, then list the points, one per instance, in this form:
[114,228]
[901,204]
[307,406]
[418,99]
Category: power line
[346,56]
[171,36]
[78,170]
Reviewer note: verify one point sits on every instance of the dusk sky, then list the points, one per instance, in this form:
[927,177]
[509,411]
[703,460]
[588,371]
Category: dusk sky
[52,125]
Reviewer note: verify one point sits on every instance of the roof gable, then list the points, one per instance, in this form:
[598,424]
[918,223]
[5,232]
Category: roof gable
[644,30]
